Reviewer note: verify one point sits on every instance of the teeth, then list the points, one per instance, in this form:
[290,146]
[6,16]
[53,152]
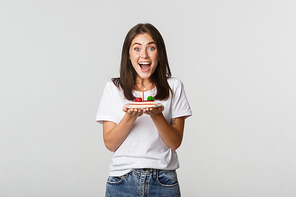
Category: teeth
[144,63]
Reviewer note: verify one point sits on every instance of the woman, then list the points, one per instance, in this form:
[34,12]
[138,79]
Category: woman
[143,140]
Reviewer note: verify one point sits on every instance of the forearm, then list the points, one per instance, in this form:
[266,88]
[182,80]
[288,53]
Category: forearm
[171,136]
[115,134]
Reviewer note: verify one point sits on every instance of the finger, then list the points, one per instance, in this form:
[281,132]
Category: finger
[134,112]
[131,111]
[137,112]
[146,110]
[124,108]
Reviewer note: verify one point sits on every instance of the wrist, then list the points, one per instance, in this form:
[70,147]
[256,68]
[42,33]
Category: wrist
[129,117]
[158,115]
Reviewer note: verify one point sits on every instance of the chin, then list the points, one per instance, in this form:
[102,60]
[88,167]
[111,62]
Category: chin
[144,76]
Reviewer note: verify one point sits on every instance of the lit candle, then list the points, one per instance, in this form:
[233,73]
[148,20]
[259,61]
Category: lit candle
[143,94]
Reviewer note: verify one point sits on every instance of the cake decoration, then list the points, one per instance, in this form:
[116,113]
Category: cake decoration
[150,98]
[139,103]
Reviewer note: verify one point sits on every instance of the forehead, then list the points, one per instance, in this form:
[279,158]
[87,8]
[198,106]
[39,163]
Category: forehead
[143,38]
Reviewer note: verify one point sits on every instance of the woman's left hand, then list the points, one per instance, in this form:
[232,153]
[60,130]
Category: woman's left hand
[153,111]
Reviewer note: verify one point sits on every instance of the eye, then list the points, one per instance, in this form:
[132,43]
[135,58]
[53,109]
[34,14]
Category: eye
[151,48]
[137,49]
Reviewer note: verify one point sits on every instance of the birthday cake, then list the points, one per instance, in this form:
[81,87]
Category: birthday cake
[139,103]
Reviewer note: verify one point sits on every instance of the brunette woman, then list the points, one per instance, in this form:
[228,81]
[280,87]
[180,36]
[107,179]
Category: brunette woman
[144,141]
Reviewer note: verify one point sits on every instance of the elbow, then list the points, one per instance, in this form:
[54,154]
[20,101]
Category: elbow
[110,147]
[109,144]
[175,146]
[177,143]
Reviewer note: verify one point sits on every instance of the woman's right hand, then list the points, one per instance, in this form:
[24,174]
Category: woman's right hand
[133,111]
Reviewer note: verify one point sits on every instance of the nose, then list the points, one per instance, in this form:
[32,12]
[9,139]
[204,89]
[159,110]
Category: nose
[144,54]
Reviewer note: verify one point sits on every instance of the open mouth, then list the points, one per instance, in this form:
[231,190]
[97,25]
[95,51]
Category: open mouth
[145,66]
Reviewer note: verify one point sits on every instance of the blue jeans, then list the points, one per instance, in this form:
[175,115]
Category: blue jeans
[144,182]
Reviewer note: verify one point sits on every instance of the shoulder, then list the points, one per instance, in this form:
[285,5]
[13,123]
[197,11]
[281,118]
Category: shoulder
[110,85]
[174,82]
[111,88]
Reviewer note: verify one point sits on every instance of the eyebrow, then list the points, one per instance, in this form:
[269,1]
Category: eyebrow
[141,44]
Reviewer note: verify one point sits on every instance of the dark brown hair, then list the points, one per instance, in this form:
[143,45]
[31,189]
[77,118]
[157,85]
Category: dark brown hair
[128,75]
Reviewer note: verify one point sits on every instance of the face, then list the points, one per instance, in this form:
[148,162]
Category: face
[143,55]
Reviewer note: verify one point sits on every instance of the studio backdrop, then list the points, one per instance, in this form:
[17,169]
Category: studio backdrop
[235,58]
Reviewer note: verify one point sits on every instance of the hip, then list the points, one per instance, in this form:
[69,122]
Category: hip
[144,182]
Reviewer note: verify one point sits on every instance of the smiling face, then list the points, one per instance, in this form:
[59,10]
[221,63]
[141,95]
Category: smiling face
[143,55]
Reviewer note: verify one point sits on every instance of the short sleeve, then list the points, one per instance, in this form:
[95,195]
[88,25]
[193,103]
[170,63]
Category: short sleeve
[180,104]
[106,111]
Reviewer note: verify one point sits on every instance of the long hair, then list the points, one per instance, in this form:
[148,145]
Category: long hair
[128,75]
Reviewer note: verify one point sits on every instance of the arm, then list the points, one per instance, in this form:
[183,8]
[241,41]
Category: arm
[171,133]
[114,134]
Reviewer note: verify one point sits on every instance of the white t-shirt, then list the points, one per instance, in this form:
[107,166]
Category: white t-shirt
[143,147]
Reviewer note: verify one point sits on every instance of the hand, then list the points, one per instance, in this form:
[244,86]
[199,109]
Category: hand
[133,111]
[153,111]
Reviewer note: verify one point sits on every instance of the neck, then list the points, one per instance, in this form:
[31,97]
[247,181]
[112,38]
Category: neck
[143,83]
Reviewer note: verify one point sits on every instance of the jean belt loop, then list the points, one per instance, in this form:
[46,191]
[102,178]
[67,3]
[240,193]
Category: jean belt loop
[155,172]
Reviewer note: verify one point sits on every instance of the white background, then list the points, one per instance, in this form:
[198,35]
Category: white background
[235,58]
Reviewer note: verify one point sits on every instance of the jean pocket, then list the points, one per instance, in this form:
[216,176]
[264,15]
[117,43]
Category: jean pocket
[114,180]
[167,178]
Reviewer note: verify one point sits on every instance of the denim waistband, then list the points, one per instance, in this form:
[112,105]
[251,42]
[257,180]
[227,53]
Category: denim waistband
[145,170]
